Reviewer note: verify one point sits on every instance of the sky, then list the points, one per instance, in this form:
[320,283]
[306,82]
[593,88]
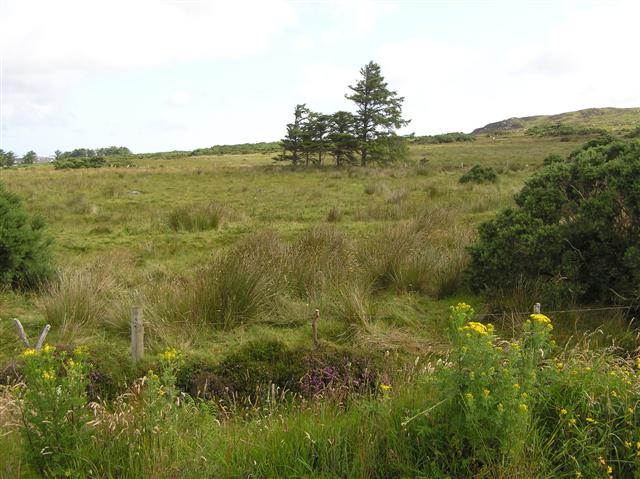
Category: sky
[161,75]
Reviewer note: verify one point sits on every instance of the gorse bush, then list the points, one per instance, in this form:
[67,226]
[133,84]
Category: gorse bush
[479,174]
[576,226]
[25,257]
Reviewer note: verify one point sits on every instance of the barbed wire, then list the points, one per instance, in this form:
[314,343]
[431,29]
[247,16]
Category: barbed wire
[558,311]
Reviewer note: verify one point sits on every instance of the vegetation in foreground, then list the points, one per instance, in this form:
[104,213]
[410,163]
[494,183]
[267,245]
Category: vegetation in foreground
[380,251]
[489,408]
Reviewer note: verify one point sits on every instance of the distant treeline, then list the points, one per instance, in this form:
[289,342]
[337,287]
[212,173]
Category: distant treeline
[240,149]
[563,129]
[453,137]
[92,162]
[89,153]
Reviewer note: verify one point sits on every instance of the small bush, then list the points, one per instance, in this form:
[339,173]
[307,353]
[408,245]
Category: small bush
[25,257]
[197,218]
[479,174]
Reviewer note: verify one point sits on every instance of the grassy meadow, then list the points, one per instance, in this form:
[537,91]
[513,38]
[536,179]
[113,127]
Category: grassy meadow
[229,256]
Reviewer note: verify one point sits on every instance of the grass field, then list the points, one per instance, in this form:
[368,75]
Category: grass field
[379,251]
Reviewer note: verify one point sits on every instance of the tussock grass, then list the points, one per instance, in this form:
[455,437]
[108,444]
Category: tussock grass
[80,299]
[197,218]
[241,285]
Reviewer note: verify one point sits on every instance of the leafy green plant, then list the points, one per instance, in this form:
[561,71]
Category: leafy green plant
[479,174]
[53,409]
[25,255]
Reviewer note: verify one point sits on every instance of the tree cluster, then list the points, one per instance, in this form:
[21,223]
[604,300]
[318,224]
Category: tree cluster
[575,230]
[89,153]
[365,137]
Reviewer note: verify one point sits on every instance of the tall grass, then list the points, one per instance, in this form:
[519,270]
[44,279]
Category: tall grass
[240,285]
[197,217]
[82,298]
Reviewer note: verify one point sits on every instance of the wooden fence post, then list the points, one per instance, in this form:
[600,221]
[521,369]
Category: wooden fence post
[137,334]
[536,308]
[21,333]
[314,327]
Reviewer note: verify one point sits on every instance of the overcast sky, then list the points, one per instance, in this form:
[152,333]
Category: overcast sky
[158,75]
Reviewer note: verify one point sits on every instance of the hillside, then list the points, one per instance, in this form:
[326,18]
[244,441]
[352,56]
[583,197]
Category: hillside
[617,120]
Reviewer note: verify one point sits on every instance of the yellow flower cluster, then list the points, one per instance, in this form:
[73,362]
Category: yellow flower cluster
[28,352]
[462,308]
[542,319]
[478,327]
[385,387]
[80,351]
[171,354]
[48,375]
[48,349]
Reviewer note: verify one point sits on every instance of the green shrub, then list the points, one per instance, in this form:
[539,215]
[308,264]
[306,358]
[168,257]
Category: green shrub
[25,258]
[576,227]
[562,129]
[479,174]
[79,162]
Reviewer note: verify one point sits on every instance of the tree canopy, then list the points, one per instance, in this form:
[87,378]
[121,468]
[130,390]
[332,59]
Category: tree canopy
[367,136]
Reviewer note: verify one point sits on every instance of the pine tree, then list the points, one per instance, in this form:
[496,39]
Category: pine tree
[379,110]
[29,158]
[342,137]
[292,143]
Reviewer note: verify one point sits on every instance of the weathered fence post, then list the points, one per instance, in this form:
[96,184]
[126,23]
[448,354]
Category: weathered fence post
[42,337]
[137,334]
[314,327]
[21,333]
[536,308]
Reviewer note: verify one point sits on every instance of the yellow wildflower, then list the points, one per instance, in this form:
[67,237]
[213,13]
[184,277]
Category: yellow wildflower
[627,444]
[540,318]
[462,308]
[523,407]
[28,352]
[500,407]
[80,350]
[385,387]
[516,386]
[486,392]
[572,421]
[48,348]
[560,365]
[638,362]
[602,461]
[563,412]
[591,420]
[638,445]
[477,327]
[468,396]
[170,354]
[578,474]
[48,375]
[609,470]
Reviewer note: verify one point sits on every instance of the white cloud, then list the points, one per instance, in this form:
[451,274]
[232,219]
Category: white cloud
[181,98]
[47,47]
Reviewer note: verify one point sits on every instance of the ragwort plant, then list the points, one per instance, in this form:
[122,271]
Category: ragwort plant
[486,391]
[53,409]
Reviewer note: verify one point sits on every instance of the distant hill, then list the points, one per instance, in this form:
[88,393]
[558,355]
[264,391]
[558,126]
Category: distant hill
[581,122]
